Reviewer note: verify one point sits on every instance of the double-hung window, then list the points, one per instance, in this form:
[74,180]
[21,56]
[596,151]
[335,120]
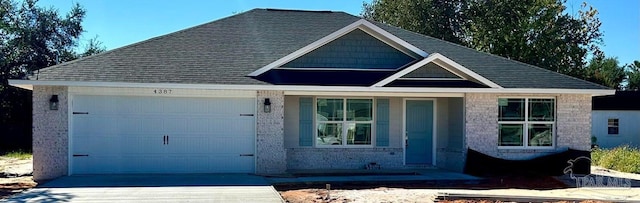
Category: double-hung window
[344,122]
[613,126]
[526,122]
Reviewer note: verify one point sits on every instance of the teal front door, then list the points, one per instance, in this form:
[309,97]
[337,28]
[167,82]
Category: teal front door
[419,132]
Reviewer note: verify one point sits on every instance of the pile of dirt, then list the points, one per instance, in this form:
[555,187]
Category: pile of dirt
[11,186]
[15,176]
[309,195]
[12,167]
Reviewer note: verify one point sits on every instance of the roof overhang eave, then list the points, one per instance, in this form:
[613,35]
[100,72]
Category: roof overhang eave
[29,84]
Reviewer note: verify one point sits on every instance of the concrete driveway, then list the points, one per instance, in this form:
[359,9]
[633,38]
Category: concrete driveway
[153,188]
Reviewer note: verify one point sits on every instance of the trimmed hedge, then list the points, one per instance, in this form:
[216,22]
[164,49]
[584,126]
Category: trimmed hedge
[623,158]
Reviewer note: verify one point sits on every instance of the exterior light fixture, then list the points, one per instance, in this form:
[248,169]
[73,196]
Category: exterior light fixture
[267,105]
[53,102]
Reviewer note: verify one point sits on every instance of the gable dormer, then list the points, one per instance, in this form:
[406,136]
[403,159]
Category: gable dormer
[431,71]
[436,71]
[358,46]
[356,50]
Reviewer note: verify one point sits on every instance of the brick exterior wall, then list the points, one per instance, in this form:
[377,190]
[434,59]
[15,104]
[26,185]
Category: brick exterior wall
[573,124]
[574,112]
[270,154]
[573,130]
[50,133]
[343,158]
[481,122]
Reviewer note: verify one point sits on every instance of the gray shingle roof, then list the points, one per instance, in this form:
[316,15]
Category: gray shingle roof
[226,50]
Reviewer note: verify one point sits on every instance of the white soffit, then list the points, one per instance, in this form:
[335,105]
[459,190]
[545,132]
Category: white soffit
[28,84]
[361,24]
[443,62]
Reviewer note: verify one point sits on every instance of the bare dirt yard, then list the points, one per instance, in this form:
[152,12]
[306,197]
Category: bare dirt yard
[496,186]
[408,192]
[15,176]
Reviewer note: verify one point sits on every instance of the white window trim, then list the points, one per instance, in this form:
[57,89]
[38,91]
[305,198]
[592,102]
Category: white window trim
[617,126]
[343,122]
[526,122]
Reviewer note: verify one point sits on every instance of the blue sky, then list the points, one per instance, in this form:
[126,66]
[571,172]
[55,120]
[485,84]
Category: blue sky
[121,22]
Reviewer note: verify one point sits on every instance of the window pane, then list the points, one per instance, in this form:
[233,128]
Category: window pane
[541,109]
[511,135]
[330,109]
[359,109]
[359,134]
[329,134]
[612,126]
[511,109]
[540,135]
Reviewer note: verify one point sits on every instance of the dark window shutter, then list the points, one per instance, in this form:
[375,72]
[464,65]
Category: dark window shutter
[382,122]
[306,121]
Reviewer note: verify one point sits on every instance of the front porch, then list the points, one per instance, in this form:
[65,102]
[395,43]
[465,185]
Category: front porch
[414,133]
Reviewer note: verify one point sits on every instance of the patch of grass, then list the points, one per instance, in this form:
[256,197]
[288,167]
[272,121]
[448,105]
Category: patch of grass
[623,158]
[22,155]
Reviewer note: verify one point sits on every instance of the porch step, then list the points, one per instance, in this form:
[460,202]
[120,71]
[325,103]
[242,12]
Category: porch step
[421,177]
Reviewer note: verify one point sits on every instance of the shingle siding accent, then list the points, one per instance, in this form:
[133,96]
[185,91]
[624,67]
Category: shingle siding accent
[356,49]
[270,154]
[573,124]
[50,133]
[343,158]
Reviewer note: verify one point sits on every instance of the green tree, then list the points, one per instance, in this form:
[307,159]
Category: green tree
[537,32]
[633,76]
[32,38]
[442,19]
[605,71]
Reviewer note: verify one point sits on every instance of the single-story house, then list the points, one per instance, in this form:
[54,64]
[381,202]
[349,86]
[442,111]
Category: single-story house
[615,119]
[269,90]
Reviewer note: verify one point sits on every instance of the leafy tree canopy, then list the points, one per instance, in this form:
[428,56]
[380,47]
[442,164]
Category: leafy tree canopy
[537,32]
[32,38]
[436,18]
[605,71]
[633,76]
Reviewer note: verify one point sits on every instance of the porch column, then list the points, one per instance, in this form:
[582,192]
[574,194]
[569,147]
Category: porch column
[50,133]
[270,154]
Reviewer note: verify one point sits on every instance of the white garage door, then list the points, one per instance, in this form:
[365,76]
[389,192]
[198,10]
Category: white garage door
[127,134]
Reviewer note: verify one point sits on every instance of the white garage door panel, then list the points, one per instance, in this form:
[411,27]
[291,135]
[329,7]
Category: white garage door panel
[125,134]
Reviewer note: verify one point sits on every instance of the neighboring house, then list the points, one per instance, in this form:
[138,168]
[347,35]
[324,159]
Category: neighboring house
[268,90]
[616,119]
